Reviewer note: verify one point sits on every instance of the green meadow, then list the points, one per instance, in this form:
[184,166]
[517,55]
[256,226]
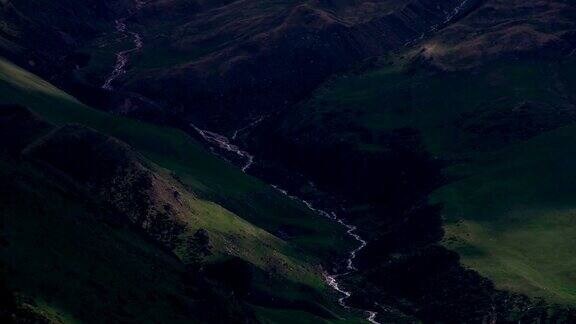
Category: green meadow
[505,131]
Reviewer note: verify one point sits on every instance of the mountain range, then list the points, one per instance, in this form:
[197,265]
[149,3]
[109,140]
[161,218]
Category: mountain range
[287,161]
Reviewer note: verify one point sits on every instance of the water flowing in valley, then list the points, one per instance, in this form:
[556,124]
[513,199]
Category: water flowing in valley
[223,143]
[123,57]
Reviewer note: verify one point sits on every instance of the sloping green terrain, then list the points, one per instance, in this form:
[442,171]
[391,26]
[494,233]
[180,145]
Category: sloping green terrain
[50,194]
[442,130]
[503,133]
[513,220]
[175,151]
[68,266]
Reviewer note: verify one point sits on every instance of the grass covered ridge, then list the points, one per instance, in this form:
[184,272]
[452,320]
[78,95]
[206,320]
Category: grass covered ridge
[212,188]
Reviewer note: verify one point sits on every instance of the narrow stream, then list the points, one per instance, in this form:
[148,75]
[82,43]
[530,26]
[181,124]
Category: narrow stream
[450,16]
[123,57]
[224,143]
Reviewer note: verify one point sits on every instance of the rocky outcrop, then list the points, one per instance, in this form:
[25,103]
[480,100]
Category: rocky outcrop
[117,177]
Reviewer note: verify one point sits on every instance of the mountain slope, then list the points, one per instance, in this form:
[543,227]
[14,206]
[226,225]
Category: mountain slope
[441,129]
[68,260]
[482,131]
[248,58]
[140,191]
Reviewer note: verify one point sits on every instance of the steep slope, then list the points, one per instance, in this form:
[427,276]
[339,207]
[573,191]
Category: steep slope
[170,192]
[173,150]
[67,258]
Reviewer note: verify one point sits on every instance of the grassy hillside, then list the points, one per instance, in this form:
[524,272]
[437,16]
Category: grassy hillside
[503,133]
[177,152]
[513,220]
[70,267]
[238,211]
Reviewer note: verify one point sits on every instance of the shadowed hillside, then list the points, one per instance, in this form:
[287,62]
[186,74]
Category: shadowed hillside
[420,153]
[159,205]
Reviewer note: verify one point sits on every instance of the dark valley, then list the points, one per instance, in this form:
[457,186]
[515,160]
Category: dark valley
[287,161]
